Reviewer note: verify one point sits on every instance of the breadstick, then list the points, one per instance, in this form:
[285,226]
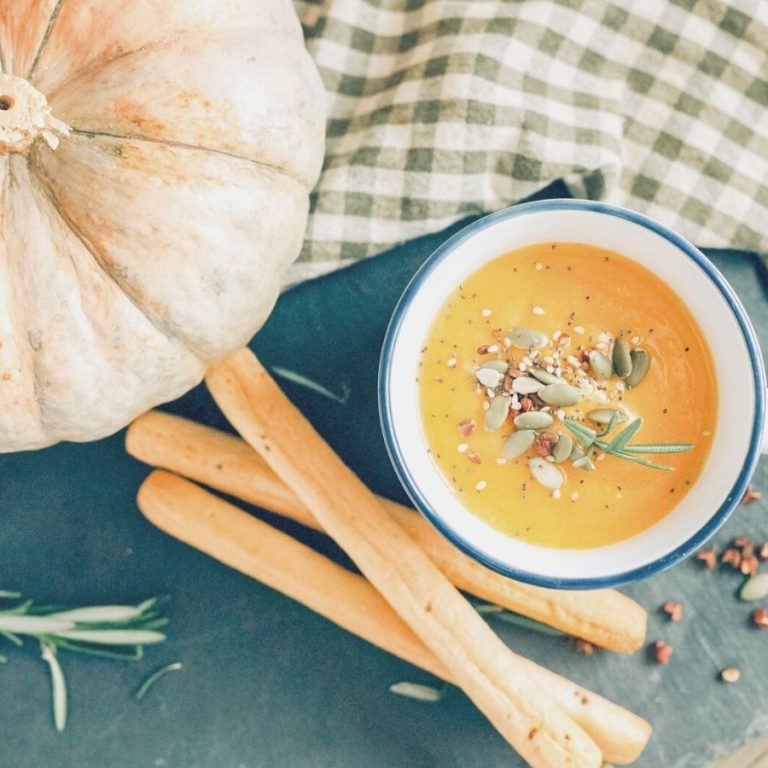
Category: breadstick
[256,549]
[224,462]
[488,672]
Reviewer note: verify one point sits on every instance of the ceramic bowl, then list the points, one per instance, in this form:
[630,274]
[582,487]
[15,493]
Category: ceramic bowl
[739,436]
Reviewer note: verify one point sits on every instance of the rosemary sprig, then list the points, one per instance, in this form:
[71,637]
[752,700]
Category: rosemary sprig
[620,445]
[110,631]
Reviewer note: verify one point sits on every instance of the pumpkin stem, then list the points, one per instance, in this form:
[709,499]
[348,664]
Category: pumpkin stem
[25,116]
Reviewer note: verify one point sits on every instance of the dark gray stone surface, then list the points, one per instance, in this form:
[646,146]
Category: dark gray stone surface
[267,684]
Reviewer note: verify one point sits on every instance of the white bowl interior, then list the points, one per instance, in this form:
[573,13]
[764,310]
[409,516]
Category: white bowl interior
[732,361]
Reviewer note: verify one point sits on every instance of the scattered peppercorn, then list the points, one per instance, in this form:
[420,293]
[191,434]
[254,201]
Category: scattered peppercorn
[662,652]
[673,609]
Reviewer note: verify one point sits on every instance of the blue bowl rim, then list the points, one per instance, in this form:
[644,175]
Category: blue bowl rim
[698,539]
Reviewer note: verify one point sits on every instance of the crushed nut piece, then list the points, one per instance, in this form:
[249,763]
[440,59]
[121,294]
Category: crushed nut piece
[708,557]
[749,565]
[730,675]
[760,618]
[474,457]
[673,609]
[750,496]
[662,652]
[584,646]
[466,427]
[731,556]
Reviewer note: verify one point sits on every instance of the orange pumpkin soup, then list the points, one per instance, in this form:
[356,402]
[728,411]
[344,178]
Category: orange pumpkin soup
[567,395]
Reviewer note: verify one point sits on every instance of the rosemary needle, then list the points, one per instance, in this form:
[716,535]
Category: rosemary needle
[307,383]
[155,676]
[58,684]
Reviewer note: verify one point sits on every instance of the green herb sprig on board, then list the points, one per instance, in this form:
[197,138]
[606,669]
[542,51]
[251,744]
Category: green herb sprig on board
[110,631]
[620,445]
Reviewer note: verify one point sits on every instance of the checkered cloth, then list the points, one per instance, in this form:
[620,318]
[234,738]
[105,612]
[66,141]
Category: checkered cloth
[440,109]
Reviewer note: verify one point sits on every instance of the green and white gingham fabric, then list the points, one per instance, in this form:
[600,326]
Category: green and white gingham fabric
[439,109]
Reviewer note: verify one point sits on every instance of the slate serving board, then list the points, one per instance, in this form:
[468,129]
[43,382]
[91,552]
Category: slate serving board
[266,683]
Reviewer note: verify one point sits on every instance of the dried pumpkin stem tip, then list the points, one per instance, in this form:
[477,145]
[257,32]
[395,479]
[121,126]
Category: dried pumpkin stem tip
[25,116]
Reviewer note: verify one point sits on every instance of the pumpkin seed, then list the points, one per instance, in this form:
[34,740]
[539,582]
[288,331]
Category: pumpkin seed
[545,377]
[497,413]
[496,365]
[560,394]
[518,443]
[605,415]
[622,359]
[545,473]
[561,450]
[533,420]
[488,377]
[601,365]
[525,385]
[641,362]
[527,338]
[755,588]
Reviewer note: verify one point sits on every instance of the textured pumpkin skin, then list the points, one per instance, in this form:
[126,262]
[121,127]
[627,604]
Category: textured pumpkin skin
[152,241]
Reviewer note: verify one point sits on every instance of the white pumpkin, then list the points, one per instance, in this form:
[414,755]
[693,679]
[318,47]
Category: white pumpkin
[155,163]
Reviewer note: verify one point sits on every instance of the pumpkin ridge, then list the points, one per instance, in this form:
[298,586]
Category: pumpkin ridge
[3,65]
[96,64]
[268,167]
[44,41]
[45,188]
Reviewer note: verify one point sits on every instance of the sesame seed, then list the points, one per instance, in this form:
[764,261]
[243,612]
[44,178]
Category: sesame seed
[522,367]
[501,460]
[481,485]
[462,448]
[556,335]
[556,493]
[550,369]
[452,362]
[493,349]
[549,359]
[537,310]
[507,342]
[574,496]
[486,405]
[486,313]
[560,413]
[539,266]
[578,328]
[635,339]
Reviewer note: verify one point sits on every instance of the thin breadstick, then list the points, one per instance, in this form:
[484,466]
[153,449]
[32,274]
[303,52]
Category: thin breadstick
[488,672]
[243,542]
[227,463]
